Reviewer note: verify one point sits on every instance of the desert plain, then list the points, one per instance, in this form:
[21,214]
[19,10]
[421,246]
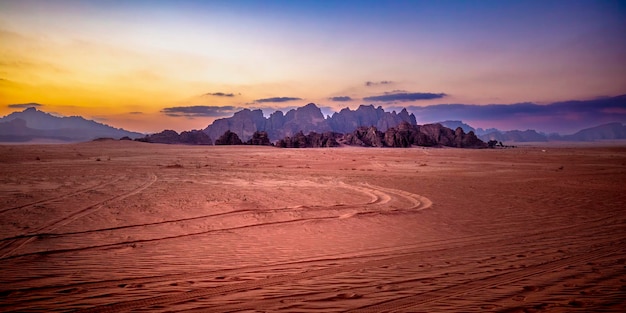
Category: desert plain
[120,226]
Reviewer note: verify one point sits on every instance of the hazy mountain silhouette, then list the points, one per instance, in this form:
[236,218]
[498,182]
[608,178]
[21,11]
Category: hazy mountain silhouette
[609,131]
[529,135]
[32,124]
[602,132]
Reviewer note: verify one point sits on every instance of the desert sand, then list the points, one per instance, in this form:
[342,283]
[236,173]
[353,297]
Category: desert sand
[125,226]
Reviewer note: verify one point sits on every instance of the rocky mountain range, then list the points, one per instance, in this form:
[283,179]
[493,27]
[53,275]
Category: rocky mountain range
[306,119]
[32,124]
[367,126]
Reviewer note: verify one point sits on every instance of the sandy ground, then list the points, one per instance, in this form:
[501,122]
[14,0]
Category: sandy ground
[126,226]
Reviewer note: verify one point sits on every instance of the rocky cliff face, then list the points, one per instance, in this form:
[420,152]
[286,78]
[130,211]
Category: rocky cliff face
[366,115]
[306,119]
[243,123]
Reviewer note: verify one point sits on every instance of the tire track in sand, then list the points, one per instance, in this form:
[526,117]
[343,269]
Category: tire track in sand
[13,245]
[71,194]
[392,305]
[379,198]
[359,261]
[408,303]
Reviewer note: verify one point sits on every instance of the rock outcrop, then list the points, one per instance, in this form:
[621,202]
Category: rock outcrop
[312,140]
[259,138]
[365,137]
[194,137]
[228,139]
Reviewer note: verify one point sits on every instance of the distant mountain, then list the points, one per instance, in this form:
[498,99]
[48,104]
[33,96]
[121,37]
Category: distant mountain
[306,119]
[602,132]
[610,131]
[454,124]
[529,135]
[32,124]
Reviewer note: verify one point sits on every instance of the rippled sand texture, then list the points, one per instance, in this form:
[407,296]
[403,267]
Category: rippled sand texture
[125,226]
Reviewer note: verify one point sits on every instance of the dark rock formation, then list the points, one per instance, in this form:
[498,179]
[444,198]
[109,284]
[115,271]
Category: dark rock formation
[406,135]
[194,137]
[365,137]
[228,139]
[259,138]
[312,140]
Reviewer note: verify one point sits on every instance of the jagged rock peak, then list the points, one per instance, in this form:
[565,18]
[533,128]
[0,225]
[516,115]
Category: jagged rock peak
[308,118]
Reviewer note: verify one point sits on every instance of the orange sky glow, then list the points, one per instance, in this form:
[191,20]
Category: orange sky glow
[122,63]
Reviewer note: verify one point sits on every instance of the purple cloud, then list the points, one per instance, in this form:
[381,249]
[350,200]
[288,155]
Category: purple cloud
[277,99]
[220,94]
[340,99]
[382,82]
[405,96]
[201,111]
[24,105]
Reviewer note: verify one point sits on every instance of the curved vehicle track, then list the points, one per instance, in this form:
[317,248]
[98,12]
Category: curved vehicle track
[11,245]
[380,197]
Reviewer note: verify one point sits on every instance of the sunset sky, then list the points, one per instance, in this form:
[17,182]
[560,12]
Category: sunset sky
[138,64]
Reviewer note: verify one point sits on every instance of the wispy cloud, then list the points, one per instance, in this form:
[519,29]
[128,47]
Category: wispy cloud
[201,111]
[220,94]
[135,113]
[277,99]
[24,105]
[340,99]
[405,96]
[382,82]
